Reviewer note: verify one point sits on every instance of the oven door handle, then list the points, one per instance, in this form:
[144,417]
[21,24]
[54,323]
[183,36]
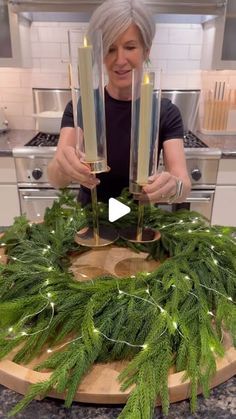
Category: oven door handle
[199,199]
[33,197]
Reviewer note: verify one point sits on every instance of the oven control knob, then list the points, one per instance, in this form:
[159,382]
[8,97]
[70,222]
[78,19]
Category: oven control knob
[37,174]
[196,174]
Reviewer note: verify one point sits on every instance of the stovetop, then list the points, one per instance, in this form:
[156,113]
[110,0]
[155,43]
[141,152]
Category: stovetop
[43,139]
[192,141]
[50,140]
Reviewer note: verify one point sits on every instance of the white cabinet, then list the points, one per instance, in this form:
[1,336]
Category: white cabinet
[9,198]
[14,38]
[224,208]
[219,46]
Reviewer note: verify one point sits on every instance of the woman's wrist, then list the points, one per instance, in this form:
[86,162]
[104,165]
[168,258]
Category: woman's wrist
[179,191]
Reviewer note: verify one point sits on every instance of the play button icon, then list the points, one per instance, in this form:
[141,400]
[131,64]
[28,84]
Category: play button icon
[116,210]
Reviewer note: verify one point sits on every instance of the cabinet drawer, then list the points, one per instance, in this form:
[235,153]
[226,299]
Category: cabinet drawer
[224,208]
[227,172]
[9,207]
[7,170]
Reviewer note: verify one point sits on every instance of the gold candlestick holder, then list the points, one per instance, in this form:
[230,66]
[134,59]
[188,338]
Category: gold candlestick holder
[139,233]
[144,147]
[87,90]
[99,235]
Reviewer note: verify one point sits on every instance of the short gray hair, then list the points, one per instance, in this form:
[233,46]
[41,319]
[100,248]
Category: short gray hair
[113,17]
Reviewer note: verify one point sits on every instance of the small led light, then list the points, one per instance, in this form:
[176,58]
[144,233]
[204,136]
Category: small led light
[50,268]
[49,294]
[230,298]
[23,334]
[175,325]
[148,273]
[212,247]
[10,329]
[145,346]
[190,231]
[212,348]
[13,258]
[96,330]
[48,246]
[120,292]
[132,276]
[38,215]
[46,282]
[44,251]
[215,261]
[52,304]
[210,313]
[53,231]
[181,221]
[3,244]
[186,277]
[220,235]
[49,351]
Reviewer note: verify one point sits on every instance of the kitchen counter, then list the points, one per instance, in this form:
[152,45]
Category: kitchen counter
[221,404]
[226,143]
[14,138]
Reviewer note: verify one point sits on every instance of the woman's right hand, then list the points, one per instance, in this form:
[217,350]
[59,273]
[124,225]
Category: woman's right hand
[67,166]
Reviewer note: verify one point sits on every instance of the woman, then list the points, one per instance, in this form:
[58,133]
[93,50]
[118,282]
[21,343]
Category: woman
[127,32]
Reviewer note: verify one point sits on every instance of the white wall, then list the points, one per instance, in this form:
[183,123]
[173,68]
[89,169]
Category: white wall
[176,49]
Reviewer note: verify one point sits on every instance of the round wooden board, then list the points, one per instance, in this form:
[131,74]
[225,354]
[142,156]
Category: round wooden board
[100,385]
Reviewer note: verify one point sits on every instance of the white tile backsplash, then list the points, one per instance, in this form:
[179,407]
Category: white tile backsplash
[176,50]
[170,51]
[46,50]
[185,36]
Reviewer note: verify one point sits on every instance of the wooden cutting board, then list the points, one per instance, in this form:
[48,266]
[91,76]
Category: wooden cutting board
[100,385]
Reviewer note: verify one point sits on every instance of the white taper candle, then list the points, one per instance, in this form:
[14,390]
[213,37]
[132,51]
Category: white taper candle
[87,101]
[145,117]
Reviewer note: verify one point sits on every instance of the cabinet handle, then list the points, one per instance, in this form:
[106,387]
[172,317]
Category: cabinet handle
[198,199]
[31,197]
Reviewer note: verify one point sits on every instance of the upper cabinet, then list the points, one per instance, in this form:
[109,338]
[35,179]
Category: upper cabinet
[219,46]
[14,38]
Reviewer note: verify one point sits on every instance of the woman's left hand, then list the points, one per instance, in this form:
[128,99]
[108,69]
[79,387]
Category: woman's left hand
[160,188]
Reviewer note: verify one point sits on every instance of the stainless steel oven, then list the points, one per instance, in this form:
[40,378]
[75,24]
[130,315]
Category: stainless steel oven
[202,165]
[31,161]
[200,201]
[202,169]
[35,192]
[34,201]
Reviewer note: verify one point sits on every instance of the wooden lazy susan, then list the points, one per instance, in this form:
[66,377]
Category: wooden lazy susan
[100,385]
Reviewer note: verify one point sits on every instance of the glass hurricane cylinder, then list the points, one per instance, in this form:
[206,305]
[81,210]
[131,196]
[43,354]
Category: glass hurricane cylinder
[87,89]
[146,96]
